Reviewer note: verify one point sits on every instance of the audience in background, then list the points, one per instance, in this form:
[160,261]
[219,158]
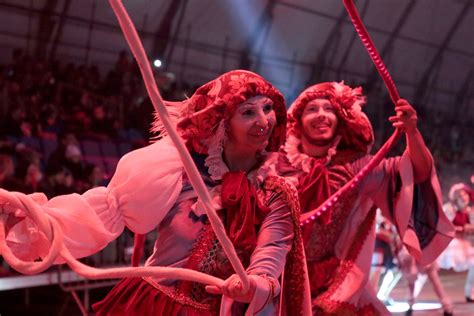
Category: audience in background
[66,103]
[47,109]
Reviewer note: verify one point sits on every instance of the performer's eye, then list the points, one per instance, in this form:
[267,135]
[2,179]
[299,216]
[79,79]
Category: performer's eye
[247,112]
[329,108]
[268,108]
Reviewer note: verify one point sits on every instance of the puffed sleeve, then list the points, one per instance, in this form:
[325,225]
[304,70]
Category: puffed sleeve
[144,188]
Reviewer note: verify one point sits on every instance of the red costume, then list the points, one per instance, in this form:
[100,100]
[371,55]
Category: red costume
[340,243]
[150,190]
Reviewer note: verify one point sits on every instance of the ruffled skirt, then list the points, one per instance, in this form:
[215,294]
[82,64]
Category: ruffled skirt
[459,255]
[135,296]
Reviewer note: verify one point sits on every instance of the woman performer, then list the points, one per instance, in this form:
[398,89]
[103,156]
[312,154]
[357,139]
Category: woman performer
[232,126]
[459,255]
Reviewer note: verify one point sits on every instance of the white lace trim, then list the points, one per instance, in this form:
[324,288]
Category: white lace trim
[301,160]
[217,167]
[215,147]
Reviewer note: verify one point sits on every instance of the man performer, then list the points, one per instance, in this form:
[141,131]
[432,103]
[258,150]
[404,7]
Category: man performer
[328,141]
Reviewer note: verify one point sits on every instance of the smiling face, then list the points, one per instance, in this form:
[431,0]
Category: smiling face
[251,125]
[462,199]
[319,122]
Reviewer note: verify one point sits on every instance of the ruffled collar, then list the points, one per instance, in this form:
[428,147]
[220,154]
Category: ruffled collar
[217,167]
[302,161]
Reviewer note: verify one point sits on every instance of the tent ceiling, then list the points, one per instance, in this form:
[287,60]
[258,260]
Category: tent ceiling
[428,45]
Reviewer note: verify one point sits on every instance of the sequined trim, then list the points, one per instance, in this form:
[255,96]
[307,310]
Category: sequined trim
[203,259]
[331,307]
[178,296]
[323,237]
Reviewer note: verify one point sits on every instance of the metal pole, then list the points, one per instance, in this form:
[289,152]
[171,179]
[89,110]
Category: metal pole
[28,36]
[89,33]
[224,54]
[185,54]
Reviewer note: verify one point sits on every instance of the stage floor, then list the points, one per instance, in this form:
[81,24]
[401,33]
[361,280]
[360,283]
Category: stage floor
[50,300]
[453,284]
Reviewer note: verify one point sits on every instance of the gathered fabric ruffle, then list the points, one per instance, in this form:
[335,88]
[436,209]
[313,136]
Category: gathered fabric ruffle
[135,296]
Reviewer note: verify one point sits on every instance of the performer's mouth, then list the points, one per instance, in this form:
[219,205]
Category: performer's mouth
[261,133]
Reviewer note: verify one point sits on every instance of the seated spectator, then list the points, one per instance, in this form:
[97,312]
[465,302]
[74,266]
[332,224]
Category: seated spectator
[15,124]
[50,122]
[57,157]
[57,181]
[8,181]
[32,178]
[101,126]
[74,162]
[95,178]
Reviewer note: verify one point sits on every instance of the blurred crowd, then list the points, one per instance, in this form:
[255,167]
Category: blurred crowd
[449,137]
[43,101]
